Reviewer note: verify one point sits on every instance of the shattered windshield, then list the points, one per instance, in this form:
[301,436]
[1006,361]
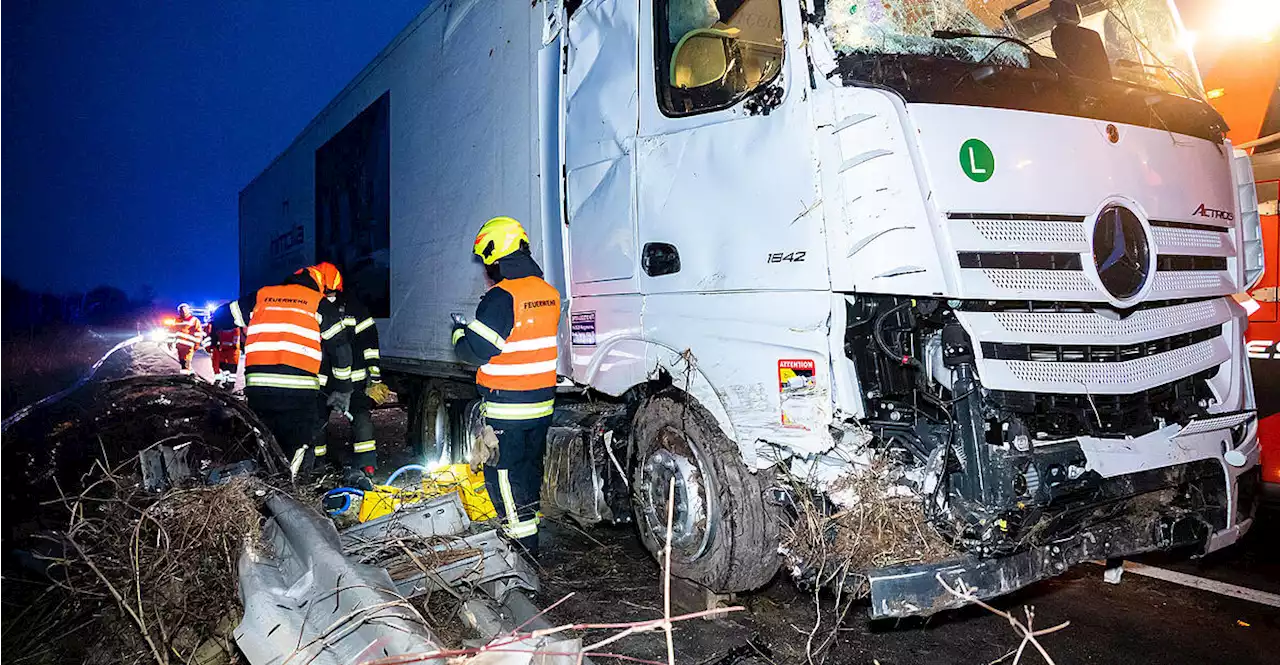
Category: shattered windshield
[1140,42]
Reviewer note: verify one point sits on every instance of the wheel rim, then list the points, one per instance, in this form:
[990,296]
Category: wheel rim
[443,442]
[673,458]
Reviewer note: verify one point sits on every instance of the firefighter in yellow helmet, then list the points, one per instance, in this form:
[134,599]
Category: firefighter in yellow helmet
[513,342]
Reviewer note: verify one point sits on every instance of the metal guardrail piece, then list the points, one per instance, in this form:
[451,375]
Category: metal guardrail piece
[452,555]
[306,602]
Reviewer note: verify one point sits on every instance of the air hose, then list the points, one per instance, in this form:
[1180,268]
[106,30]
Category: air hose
[408,467]
[346,493]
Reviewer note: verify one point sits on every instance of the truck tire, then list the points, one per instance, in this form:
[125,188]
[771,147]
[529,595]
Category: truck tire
[434,427]
[725,528]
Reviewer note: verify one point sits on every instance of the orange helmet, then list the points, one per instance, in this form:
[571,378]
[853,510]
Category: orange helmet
[326,276]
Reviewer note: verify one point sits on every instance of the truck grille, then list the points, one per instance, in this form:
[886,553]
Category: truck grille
[1099,353]
[1066,415]
[1052,253]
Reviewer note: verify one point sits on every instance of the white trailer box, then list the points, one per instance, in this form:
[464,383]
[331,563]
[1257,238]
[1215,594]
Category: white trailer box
[986,249]
[439,133]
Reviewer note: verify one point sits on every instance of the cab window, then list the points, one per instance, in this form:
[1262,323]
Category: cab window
[712,53]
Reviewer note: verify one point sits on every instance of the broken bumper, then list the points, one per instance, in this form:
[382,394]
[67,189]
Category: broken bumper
[1163,514]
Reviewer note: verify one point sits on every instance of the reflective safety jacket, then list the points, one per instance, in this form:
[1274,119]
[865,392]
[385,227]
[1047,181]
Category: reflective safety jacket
[291,329]
[226,343]
[187,332]
[363,335]
[513,340]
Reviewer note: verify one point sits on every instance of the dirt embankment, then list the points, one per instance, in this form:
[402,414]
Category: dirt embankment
[38,364]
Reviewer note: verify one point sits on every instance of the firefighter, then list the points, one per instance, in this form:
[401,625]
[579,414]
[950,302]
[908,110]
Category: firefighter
[187,333]
[513,341]
[225,344]
[368,390]
[291,328]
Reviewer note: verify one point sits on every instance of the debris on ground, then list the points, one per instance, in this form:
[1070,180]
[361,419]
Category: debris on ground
[875,524]
[138,577]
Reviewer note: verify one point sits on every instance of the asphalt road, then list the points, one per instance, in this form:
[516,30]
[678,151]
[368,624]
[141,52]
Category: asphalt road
[1140,620]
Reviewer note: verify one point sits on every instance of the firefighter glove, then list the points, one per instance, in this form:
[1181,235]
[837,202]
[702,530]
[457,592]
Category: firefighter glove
[484,448]
[340,402]
[378,392]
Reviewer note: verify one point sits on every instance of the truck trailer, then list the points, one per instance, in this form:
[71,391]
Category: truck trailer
[990,246]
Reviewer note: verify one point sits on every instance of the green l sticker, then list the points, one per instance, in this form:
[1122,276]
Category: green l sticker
[976,160]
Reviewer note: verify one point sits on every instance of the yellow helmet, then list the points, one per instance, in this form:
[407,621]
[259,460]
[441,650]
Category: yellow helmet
[499,237]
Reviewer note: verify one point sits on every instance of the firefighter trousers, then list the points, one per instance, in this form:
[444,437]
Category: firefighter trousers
[184,356]
[292,425]
[515,481]
[364,445]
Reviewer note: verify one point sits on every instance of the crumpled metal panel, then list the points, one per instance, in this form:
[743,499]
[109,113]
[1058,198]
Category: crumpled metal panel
[439,516]
[305,602]
[480,560]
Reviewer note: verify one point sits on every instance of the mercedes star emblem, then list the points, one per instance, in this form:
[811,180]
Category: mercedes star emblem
[1121,252]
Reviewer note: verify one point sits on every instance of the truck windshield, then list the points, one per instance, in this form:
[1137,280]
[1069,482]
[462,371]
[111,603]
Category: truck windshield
[1137,42]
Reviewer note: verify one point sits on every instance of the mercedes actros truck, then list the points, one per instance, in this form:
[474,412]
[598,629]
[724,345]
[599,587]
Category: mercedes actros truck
[991,243]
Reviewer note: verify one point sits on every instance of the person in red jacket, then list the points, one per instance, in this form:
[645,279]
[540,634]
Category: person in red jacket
[225,344]
[187,332]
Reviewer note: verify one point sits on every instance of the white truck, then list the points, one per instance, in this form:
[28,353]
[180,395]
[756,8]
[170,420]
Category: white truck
[995,241]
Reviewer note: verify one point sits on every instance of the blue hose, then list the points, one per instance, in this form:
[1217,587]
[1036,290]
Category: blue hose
[408,467]
[346,493]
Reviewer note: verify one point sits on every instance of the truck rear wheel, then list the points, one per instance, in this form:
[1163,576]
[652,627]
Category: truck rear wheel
[725,528]
[434,427]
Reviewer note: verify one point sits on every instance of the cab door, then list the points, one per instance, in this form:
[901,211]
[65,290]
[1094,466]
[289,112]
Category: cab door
[600,138]
[727,193]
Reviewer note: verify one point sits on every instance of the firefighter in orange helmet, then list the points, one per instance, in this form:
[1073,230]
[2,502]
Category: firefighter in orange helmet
[291,328]
[187,333]
[513,341]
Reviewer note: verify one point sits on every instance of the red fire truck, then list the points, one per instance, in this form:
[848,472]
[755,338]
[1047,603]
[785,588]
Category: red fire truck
[1242,81]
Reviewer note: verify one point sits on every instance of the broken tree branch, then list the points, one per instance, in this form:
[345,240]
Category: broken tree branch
[1029,634]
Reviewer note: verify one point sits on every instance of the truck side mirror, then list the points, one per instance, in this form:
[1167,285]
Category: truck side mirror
[701,57]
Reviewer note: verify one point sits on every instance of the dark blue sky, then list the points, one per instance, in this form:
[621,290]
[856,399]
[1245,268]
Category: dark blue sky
[129,128]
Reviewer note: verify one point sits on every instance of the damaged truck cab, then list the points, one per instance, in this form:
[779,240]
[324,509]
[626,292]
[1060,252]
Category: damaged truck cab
[918,228]
[986,248]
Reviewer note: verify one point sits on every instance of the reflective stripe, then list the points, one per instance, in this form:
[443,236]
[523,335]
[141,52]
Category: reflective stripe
[519,369]
[486,333]
[291,347]
[364,325]
[375,371]
[370,354]
[521,529]
[321,450]
[503,411]
[358,375]
[323,379]
[289,328]
[508,500]
[365,446]
[349,321]
[281,381]
[458,334]
[236,316]
[341,373]
[535,344]
[295,310]
[332,331]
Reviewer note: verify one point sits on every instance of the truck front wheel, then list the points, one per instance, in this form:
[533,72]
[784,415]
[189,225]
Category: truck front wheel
[724,530]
